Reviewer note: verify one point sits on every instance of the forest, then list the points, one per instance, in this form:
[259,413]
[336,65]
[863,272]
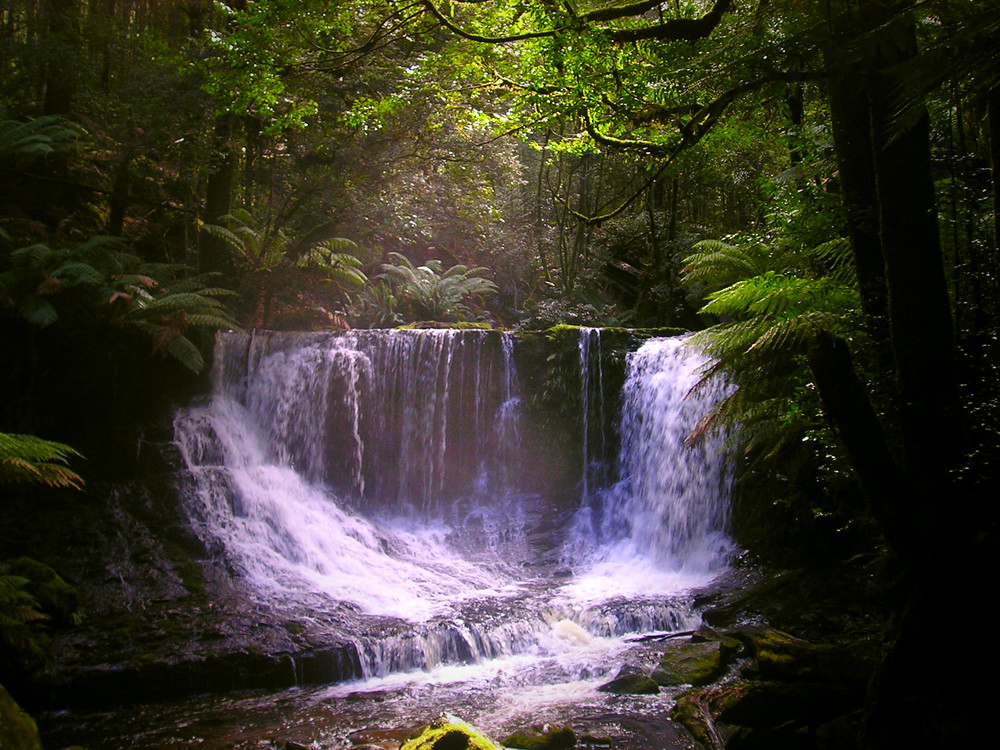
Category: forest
[809,185]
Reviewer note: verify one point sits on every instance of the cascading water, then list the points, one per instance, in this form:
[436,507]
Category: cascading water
[378,473]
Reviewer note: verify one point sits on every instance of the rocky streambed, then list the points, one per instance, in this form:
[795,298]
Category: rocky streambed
[737,682]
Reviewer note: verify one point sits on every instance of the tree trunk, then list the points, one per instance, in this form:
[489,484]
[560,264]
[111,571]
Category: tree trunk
[919,310]
[119,197]
[62,50]
[851,127]
[994,115]
[219,196]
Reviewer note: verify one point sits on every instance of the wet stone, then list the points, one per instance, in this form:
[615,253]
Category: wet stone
[630,684]
[546,737]
[689,664]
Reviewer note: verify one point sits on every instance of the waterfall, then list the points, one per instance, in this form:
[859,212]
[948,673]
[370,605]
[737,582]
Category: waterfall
[380,474]
[666,515]
[592,417]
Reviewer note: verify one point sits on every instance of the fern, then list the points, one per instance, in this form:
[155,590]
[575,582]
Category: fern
[770,303]
[431,292]
[18,608]
[25,458]
[716,263]
[332,260]
[36,139]
[102,279]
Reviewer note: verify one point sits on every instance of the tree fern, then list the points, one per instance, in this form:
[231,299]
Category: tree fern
[36,139]
[334,259]
[770,304]
[18,608]
[431,292]
[32,460]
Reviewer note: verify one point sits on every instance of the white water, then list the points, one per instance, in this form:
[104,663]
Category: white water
[379,470]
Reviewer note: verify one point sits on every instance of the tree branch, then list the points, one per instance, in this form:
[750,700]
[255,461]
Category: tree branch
[676,29]
[458,31]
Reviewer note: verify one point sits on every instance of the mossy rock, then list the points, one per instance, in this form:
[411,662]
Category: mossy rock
[55,597]
[690,663]
[630,684]
[763,705]
[780,656]
[424,325]
[547,737]
[450,733]
[17,729]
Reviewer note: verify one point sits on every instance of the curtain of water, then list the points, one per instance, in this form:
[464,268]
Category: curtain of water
[670,503]
[381,469]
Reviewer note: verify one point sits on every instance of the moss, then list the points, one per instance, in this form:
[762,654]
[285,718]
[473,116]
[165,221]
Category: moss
[17,729]
[542,738]
[450,733]
[464,325]
[55,597]
[689,664]
[630,684]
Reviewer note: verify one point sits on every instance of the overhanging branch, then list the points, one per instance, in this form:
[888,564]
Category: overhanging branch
[458,31]
[676,29]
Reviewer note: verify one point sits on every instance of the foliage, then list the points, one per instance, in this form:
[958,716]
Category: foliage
[271,268]
[429,292]
[26,458]
[771,300]
[99,280]
[17,610]
[23,142]
[29,459]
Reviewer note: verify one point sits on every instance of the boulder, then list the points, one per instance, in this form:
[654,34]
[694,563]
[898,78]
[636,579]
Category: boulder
[56,598]
[546,737]
[450,733]
[17,729]
[690,663]
[630,683]
[776,712]
[780,656]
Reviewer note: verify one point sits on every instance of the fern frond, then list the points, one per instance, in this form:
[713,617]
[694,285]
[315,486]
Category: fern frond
[26,458]
[186,353]
[208,320]
[73,273]
[228,236]
[38,311]
[35,256]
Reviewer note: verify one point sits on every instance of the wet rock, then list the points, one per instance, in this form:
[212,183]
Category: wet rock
[689,663]
[730,645]
[545,737]
[630,684]
[450,733]
[17,729]
[771,704]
